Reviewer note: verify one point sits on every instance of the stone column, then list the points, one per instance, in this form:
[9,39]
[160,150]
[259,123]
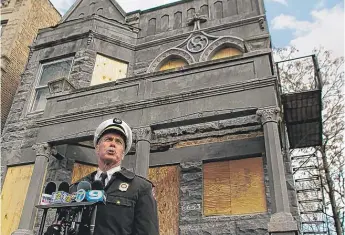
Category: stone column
[281,221]
[143,151]
[27,220]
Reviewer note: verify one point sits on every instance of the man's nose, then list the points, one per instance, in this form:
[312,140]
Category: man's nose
[112,143]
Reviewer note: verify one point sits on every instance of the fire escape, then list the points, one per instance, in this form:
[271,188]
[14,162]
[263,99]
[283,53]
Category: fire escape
[301,130]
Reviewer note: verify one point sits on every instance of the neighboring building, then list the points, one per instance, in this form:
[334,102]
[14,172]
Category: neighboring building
[196,82]
[20,21]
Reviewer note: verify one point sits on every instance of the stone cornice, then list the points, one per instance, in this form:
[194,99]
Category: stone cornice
[142,104]
[224,125]
[174,73]
[114,41]
[72,38]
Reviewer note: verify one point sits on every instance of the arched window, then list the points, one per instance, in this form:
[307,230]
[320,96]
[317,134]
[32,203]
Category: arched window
[226,52]
[173,64]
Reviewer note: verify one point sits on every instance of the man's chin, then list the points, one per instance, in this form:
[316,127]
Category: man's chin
[110,160]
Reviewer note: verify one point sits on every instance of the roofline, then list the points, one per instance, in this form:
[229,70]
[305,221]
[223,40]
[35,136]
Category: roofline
[160,7]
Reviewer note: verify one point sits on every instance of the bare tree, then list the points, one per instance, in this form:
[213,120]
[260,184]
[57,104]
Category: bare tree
[299,76]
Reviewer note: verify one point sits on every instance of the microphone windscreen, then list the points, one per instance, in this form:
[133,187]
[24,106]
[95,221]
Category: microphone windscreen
[50,188]
[97,185]
[84,185]
[64,186]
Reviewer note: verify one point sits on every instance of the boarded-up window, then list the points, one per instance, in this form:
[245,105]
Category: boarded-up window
[166,180]
[177,20]
[218,10]
[151,28]
[234,187]
[172,64]
[226,52]
[81,170]
[108,70]
[204,10]
[164,23]
[13,196]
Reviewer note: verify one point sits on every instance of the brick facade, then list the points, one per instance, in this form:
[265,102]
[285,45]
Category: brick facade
[24,18]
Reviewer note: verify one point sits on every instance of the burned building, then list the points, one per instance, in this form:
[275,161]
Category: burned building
[196,82]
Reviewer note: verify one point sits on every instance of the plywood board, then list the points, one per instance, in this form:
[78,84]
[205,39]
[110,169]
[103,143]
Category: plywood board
[13,196]
[173,64]
[234,187]
[226,52]
[166,180]
[108,70]
[216,188]
[80,170]
[247,186]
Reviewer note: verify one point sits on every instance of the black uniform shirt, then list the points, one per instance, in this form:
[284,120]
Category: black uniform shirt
[130,206]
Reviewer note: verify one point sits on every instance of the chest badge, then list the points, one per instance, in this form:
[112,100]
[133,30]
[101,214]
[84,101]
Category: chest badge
[123,187]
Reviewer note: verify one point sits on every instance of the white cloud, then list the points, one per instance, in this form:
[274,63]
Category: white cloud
[325,30]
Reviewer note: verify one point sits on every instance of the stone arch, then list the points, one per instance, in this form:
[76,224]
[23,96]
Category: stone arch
[167,55]
[220,43]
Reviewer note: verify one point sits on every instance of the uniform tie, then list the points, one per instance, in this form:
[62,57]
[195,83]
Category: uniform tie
[104,176]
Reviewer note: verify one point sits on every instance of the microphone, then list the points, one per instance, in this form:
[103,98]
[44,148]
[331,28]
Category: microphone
[83,186]
[97,187]
[47,194]
[80,196]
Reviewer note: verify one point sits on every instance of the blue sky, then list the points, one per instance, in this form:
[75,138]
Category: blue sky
[306,24]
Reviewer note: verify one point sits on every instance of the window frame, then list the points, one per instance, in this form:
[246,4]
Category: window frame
[37,87]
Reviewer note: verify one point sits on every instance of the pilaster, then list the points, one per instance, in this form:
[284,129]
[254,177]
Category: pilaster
[143,137]
[43,152]
[281,221]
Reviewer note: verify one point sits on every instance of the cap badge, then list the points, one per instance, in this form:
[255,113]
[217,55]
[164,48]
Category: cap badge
[117,121]
[123,187]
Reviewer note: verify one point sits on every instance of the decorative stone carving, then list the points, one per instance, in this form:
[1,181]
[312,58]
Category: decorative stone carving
[133,19]
[143,134]
[261,23]
[90,37]
[270,114]
[196,20]
[161,58]
[214,46]
[60,85]
[42,149]
[197,43]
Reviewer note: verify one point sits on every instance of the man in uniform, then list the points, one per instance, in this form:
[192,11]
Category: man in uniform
[130,206]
